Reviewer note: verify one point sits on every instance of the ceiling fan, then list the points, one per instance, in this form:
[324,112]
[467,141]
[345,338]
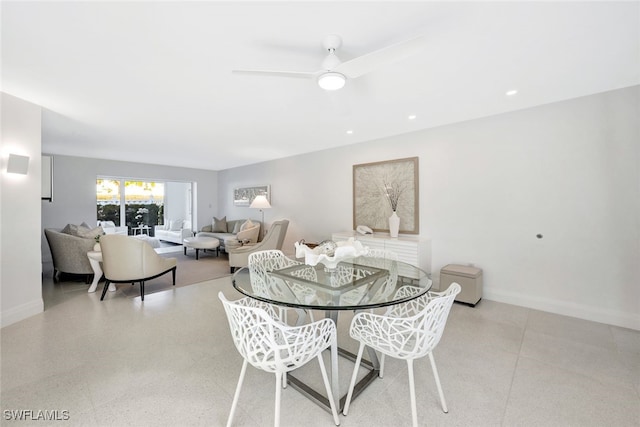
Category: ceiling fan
[334,73]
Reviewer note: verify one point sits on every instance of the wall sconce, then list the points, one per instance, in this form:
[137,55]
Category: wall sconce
[18,164]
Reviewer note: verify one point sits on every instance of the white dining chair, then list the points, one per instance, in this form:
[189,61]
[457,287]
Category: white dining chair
[387,260]
[272,346]
[406,331]
[261,263]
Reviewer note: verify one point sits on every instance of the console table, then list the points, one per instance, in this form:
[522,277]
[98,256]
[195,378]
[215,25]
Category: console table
[412,250]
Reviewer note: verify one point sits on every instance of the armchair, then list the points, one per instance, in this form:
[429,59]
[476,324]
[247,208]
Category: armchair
[239,257]
[128,260]
[69,253]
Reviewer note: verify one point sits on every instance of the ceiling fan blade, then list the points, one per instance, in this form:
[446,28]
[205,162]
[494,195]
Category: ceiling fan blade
[275,73]
[387,55]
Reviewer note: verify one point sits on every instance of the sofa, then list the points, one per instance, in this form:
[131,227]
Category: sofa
[69,248]
[110,227]
[174,231]
[232,233]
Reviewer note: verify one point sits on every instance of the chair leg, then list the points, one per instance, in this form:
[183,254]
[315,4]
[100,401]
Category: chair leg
[237,394]
[353,379]
[276,420]
[412,393]
[142,289]
[332,402]
[104,290]
[173,274]
[437,377]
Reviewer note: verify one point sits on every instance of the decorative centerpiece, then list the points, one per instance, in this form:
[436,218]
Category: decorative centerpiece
[330,253]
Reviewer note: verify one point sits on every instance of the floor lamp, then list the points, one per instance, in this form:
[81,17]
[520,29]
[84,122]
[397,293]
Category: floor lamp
[261,202]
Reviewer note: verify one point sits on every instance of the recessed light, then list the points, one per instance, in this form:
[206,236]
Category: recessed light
[412,117]
[511,92]
[349,132]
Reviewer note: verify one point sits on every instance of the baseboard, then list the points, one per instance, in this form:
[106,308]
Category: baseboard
[21,312]
[581,311]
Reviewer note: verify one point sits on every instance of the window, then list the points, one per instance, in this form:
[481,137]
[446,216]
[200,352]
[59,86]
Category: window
[140,203]
[144,203]
[108,200]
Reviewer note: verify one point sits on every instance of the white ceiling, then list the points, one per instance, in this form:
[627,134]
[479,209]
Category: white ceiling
[151,82]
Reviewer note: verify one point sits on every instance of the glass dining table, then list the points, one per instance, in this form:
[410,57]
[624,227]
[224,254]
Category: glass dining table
[357,284]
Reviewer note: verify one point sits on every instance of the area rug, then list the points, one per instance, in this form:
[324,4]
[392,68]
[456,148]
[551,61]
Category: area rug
[189,271]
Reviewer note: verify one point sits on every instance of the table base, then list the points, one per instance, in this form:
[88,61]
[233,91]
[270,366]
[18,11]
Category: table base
[322,400]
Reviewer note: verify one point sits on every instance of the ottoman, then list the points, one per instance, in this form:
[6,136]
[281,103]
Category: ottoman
[202,242]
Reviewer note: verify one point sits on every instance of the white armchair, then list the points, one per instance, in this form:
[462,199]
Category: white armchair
[239,257]
[129,260]
[109,227]
[406,331]
[271,346]
[174,231]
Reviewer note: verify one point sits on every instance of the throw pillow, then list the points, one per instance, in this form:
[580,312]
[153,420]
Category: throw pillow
[75,230]
[247,225]
[67,229]
[175,225]
[91,233]
[219,225]
[237,227]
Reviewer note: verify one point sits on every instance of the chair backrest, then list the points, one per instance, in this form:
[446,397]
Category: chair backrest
[69,253]
[270,345]
[421,321]
[275,236]
[125,258]
[388,260]
[433,318]
[263,262]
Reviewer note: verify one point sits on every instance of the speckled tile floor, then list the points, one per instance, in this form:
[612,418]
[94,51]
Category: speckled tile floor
[170,361]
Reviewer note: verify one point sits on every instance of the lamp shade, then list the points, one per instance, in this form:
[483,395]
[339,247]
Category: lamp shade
[260,202]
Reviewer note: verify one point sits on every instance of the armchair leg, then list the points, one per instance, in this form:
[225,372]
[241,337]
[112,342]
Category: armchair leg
[173,273]
[232,269]
[142,289]
[104,290]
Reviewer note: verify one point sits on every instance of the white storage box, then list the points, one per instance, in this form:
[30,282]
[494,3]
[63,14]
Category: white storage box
[469,279]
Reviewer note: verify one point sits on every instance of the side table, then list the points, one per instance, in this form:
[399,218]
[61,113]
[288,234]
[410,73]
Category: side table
[95,258]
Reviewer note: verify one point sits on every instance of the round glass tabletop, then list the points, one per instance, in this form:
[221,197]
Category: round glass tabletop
[359,283]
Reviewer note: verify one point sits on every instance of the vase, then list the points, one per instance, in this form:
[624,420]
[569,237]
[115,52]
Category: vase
[394,224]
[96,247]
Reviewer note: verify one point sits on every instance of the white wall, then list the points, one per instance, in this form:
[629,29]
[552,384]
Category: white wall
[74,189]
[20,267]
[569,171]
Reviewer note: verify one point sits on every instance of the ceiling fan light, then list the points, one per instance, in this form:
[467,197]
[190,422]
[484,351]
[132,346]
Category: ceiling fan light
[331,81]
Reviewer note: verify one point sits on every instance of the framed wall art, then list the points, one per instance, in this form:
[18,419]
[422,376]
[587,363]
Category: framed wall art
[243,196]
[380,188]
